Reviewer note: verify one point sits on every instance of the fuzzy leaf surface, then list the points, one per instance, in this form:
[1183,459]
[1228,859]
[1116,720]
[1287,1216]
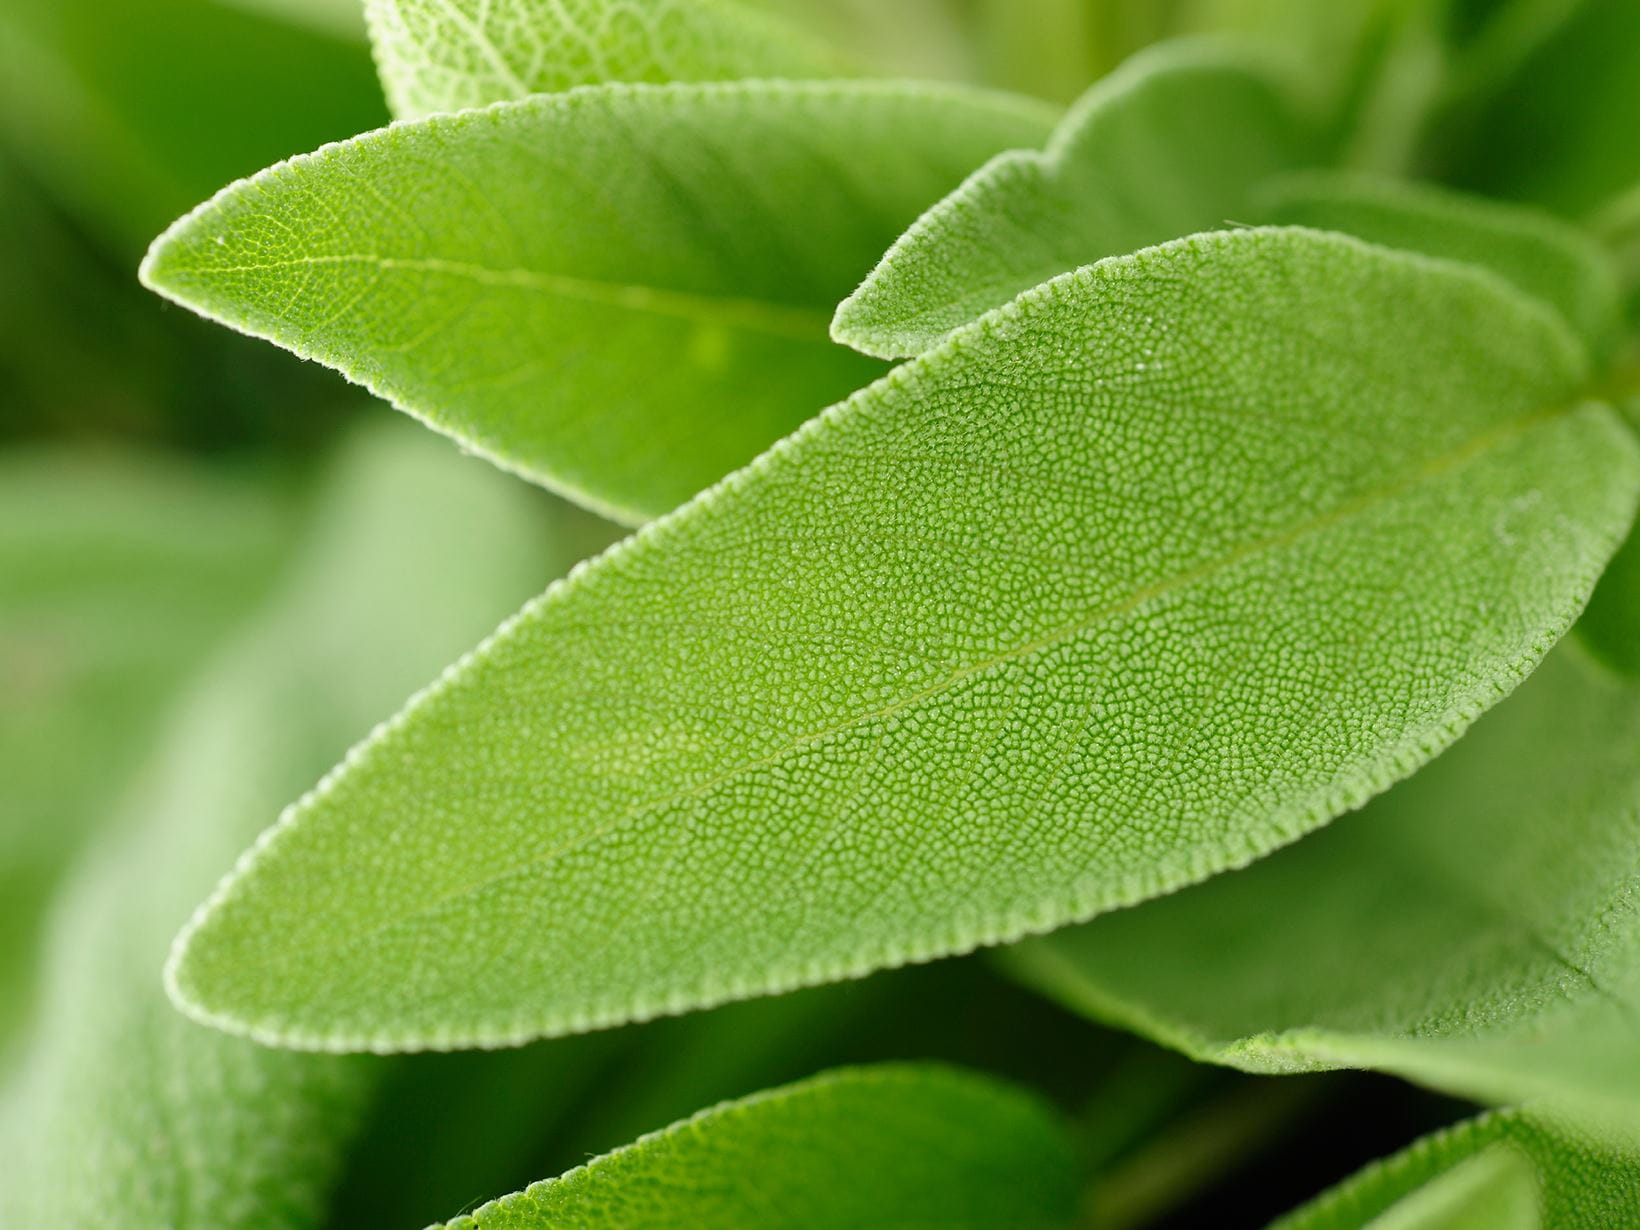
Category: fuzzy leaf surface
[1540,254]
[1508,1170]
[121,1111]
[1498,888]
[622,292]
[1156,569]
[885,1146]
[1170,143]
[446,55]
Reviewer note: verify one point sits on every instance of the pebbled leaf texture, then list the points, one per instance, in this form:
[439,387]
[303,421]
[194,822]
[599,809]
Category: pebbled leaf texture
[1543,256]
[896,1145]
[1156,569]
[446,55]
[621,292]
[1170,143]
[121,1112]
[1506,1169]
[1498,889]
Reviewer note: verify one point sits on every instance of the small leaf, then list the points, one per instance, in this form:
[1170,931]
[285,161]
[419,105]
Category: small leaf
[1501,1171]
[622,292]
[1152,571]
[118,1110]
[444,55]
[1170,143]
[883,1146]
[1474,929]
[1538,253]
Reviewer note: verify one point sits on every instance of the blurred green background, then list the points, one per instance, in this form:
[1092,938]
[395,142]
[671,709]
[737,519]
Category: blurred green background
[162,481]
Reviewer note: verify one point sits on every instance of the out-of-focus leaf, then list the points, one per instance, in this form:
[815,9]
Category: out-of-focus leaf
[1540,254]
[1560,133]
[884,1146]
[1156,569]
[119,1108]
[1172,143]
[133,110]
[1474,929]
[1508,1170]
[116,575]
[1610,627]
[622,292]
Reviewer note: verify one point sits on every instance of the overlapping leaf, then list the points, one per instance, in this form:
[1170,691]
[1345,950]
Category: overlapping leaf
[1474,929]
[443,55]
[1543,256]
[1154,570]
[887,1146]
[1509,1170]
[1171,143]
[119,1110]
[622,291]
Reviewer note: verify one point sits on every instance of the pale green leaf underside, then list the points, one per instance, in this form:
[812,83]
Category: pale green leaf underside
[1537,252]
[1156,569]
[120,1111]
[446,55]
[622,292]
[900,1146]
[1474,929]
[1170,143]
[1503,1170]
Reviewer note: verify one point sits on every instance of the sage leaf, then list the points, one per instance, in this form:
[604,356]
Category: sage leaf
[621,292]
[444,55]
[895,1145]
[1506,1169]
[1168,144]
[1154,570]
[1498,887]
[118,1107]
[1610,627]
[1540,254]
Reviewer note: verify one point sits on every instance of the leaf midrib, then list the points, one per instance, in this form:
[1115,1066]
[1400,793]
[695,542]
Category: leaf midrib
[1432,469]
[751,315]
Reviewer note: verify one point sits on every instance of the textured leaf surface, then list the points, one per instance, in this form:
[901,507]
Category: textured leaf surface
[1538,253]
[1158,568]
[888,1146]
[1503,1170]
[444,55]
[121,1111]
[1486,907]
[116,573]
[622,292]
[1169,144]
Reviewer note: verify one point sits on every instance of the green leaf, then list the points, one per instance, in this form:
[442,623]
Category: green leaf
[444,55]
[1170,143]
[1610,627]
[131,111]
[1156,569]
[621,292]
[1503,1170]
[1474,929]
[1538,253]
[122,1111]
[119,571]
[884,1146]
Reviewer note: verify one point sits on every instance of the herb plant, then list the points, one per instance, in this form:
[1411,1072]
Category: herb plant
[1044,515]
